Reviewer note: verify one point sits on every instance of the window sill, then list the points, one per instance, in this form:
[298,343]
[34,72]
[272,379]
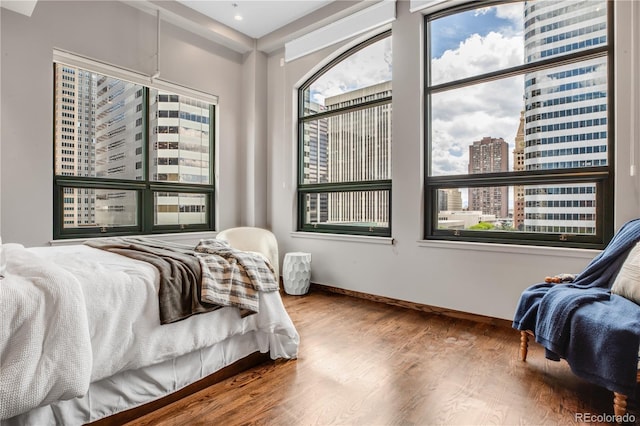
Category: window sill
[511,248]
[343,237]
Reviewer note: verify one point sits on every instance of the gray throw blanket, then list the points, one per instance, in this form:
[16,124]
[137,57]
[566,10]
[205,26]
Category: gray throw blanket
[194,281]
[597,332]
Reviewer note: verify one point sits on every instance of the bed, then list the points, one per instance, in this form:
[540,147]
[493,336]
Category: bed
[82,340]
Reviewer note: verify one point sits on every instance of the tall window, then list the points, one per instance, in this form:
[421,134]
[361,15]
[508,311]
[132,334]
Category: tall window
[518,126]
[344,149]
[129,159]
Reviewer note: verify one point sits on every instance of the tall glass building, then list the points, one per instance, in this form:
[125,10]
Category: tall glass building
[565,112]
[315,162]
[74,121]
[359,149]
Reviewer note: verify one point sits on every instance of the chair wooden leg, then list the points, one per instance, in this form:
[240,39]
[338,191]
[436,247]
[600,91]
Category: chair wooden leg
[619,404]
[524,345]
[619,400]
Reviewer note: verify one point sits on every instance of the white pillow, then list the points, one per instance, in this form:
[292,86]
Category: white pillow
[627,282]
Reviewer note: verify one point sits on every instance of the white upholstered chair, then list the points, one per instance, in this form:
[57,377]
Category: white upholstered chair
[259,240]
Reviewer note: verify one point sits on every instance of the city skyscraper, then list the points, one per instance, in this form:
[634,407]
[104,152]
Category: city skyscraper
[179,151]
[449,199]
[489,155]
[118,147]
[359,149]
[74,122]
[315,163]
[518,165]
[565,112]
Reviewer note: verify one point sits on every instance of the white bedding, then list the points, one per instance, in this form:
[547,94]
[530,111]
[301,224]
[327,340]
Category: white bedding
[120,316]
[45,351]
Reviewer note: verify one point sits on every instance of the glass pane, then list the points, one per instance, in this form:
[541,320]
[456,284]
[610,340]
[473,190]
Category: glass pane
[564,209]
[472,131]
[172,208]
[367,73]
[353,208]
[567,209]
[85,207]
[179,138]
[98,125]
[561,124]
[348,147]
[566,116]
[490,39]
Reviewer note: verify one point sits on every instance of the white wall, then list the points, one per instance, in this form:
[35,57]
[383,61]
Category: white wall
[478,278]
[253,172]
[115,33]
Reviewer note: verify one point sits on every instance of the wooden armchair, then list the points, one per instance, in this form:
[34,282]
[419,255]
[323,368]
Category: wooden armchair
[574,319]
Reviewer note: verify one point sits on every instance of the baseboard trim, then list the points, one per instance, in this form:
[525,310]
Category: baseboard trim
[415,306]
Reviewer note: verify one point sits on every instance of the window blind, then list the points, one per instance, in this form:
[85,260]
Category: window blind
[74,60]
[364,20]
[430,6]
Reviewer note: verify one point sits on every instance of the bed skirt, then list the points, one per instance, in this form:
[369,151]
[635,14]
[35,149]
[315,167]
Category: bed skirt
[133,388]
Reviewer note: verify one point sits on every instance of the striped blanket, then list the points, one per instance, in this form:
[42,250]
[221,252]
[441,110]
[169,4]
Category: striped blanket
[233,277]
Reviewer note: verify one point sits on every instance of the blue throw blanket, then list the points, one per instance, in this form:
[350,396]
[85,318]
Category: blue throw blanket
[596,332]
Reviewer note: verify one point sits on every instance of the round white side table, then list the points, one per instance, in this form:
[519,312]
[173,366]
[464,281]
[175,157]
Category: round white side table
[296,273]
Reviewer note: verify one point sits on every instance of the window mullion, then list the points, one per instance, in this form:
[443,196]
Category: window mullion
[145,206]
[518,70]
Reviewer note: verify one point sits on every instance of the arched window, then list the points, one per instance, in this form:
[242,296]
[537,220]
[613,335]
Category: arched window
[344,143]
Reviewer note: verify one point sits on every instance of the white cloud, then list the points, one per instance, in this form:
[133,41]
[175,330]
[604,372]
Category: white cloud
[477,55]
[512,12]
[369,66]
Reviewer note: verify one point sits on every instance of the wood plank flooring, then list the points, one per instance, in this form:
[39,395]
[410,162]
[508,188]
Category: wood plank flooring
[367,363]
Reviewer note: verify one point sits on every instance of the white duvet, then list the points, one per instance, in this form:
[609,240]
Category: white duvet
[45,350]
[73,315]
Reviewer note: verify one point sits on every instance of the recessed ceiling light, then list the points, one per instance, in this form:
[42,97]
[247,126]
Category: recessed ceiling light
[237,16]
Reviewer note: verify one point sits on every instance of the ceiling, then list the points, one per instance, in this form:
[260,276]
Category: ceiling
[259,17]
[215,19]
[24,7]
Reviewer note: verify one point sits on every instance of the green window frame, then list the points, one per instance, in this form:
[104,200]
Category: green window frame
[344,150]
[169,159]
[566,201]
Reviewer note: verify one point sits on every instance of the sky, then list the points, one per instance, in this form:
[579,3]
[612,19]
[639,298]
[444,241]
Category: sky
[462,45]
[371,65]
[449,32]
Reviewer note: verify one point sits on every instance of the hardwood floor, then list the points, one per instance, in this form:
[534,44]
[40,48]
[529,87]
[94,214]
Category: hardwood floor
[367,363]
